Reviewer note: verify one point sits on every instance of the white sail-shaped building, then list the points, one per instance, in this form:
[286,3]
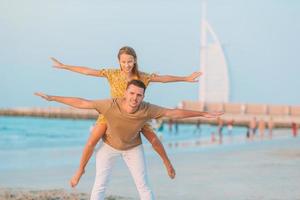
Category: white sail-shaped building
[214,84]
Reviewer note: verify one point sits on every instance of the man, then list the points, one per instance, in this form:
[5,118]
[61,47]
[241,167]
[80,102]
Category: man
[125,118]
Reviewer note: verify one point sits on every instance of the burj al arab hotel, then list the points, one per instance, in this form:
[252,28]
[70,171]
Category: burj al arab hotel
[214,84]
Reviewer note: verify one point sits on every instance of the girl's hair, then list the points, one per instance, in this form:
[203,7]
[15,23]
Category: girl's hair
[130,51]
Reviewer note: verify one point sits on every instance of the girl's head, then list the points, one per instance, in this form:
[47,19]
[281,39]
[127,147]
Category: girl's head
[128,60]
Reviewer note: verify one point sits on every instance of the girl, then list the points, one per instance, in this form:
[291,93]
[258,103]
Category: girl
[118,79]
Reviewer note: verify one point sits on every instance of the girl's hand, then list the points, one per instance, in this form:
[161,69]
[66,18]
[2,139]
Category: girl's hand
[44,96]
[57,64]
[193,77]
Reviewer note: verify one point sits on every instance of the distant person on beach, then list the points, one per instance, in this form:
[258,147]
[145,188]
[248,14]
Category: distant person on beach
[118,79]
[198,128]
[255,126]
[248,133]
[212,137]
[125,117]
[176,127]
[230,126]
[261,128]
[294,129]
[270,127]
[220,130]
[252,127]
[170,125]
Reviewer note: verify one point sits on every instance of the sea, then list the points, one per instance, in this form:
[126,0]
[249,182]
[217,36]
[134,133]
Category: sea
[31,133]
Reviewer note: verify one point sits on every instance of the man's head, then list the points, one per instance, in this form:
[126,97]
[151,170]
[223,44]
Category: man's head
[134,93]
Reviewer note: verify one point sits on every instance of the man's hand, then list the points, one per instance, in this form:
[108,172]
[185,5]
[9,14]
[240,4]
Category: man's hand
[57,64]
[44,96]
[193,77]
[213,114]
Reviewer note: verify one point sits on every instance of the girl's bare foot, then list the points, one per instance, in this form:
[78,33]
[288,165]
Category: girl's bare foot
[76,178]
[170,170]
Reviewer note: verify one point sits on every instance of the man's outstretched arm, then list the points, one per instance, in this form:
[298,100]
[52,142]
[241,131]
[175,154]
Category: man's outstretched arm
[182,113]
[71,101]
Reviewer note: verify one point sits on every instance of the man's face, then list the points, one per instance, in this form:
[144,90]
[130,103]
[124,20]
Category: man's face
[134,96]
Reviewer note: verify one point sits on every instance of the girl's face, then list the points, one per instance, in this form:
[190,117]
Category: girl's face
[126,62]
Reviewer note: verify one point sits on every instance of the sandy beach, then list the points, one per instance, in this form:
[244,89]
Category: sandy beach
[21,194]
[266,169]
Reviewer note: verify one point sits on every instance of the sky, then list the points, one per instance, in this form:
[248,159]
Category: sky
[260,40]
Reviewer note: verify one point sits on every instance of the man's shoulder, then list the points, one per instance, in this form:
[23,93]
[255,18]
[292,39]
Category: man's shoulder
[104,102]
[153,111]
[103,105]
[148,105]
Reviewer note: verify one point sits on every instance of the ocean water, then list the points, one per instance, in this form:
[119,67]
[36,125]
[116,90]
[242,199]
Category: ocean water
[25,133]
[33,143]
[29,133]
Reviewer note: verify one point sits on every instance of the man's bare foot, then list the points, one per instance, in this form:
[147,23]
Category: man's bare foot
[76,178]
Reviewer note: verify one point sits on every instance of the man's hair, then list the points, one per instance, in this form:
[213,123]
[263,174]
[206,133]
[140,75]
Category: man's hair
[137,83]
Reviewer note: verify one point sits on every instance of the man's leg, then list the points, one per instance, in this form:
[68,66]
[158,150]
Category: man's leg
[105,159]
[135,161]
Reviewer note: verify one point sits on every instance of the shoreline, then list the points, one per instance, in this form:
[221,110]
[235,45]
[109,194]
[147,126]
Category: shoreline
[240,120]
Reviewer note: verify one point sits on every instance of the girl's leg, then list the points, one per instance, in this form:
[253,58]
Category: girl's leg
[97,133]
[105,159]
[135,161]
[159,148]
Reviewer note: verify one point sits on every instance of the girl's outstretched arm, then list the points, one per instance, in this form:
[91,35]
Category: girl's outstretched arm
[167,78]
[82,70]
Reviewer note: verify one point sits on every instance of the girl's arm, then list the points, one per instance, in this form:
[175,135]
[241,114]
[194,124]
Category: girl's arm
[167,78]
[82,70]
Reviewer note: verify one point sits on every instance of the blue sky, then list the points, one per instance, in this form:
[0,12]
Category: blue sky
[260,38]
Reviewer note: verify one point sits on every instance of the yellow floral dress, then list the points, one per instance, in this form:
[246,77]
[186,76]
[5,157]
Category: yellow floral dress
[118,83]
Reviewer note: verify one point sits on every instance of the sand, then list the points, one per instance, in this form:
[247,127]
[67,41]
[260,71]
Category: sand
[57,194]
